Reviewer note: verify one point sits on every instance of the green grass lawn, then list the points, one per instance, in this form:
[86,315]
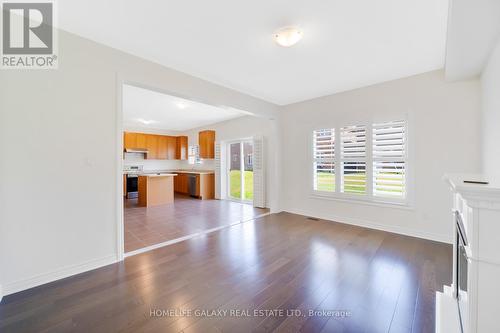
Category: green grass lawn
[235,184]
[354,183]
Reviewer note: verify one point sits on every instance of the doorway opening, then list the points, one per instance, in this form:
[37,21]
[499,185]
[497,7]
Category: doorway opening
[171,173]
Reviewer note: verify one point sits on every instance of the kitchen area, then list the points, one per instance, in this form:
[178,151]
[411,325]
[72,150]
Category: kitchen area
[170,188]
[162,191]
[139,182]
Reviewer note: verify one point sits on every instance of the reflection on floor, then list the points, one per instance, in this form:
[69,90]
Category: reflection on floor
[383,282]
[186,216]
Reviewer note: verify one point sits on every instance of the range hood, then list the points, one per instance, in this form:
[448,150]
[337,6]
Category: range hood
[137,150]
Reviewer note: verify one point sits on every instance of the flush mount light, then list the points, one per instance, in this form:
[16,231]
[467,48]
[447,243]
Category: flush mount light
[181,105]
[288,36]
[146,122]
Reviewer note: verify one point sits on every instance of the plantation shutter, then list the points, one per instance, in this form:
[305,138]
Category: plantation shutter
[217,170]
[389,159]
[353,159]
[259,186]
[324,160]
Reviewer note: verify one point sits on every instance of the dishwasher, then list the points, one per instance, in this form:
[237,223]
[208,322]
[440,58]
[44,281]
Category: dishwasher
[192,185]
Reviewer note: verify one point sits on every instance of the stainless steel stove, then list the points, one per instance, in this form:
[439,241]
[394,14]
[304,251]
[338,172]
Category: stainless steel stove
[132,172]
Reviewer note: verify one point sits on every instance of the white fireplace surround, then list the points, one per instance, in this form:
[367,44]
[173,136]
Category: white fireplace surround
[479,208]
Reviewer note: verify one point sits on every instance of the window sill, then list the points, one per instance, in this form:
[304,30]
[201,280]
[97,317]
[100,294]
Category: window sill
[364,201]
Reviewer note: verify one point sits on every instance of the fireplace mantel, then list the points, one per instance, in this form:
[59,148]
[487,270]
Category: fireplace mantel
[479,209]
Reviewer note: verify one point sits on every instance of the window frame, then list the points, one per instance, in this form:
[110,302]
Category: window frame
[324,159]
[367,198]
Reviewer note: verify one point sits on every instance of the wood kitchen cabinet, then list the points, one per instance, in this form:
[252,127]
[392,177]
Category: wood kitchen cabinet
[205,184]
[134,140]
[181,183]
[206,142]
[141,140]
[171,147]
[129,140]
[160,147]
[124,185]
[181,151]
[152,146]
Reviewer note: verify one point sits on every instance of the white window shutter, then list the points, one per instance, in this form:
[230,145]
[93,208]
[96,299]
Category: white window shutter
[353,158]
[218,168]
[324,160]
[259,186]
[389,159]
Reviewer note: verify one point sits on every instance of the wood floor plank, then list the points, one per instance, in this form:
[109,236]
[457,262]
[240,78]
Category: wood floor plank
[281,262]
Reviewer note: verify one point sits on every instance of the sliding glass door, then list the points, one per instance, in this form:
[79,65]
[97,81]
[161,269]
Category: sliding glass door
[240,171]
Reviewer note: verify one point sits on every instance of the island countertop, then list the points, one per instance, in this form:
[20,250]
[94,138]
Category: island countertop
[155,189]
[157,174]
[196,172]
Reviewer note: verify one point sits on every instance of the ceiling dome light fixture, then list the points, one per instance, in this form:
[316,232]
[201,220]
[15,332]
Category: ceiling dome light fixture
[288,36]
[146,122]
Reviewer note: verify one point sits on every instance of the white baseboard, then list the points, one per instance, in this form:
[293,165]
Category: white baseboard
[377,226]
[24,284]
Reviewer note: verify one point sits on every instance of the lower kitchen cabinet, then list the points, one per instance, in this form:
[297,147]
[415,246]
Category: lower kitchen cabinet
[205,185]
[181,183]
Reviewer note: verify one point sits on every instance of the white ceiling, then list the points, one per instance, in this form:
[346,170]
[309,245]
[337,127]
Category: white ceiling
[473,28]
[143,108]
[347,43]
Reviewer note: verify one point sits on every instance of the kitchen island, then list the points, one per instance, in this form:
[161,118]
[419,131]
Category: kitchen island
[156,189]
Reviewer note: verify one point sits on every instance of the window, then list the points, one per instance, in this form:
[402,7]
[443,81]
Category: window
[389,159]
[194,154]
[371,162]
[324,160]
[353,159]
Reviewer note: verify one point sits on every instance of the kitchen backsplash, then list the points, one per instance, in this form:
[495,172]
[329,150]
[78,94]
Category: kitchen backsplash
[154,164]
[169,164]
[205,165]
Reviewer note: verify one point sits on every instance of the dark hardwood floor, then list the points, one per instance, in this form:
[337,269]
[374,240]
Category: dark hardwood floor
[145,226]
[376,281]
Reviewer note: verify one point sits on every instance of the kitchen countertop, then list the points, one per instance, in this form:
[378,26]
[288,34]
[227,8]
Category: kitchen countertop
[152,172]
[197,172]
[157,174]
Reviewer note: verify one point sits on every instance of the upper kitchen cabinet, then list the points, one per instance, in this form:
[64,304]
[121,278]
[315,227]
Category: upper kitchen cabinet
[160,147]
[206,141]
[141,140]
[129,140]
[172,145]
[134,140]
[152,144]
[181,151]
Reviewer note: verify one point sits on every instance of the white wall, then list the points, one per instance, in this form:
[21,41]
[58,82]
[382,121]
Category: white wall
[247,127]
[444,126]
[59,138]
[490,100]
[58,201]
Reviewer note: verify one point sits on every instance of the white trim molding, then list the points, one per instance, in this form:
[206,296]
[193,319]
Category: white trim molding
[376,226]
[58,274]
